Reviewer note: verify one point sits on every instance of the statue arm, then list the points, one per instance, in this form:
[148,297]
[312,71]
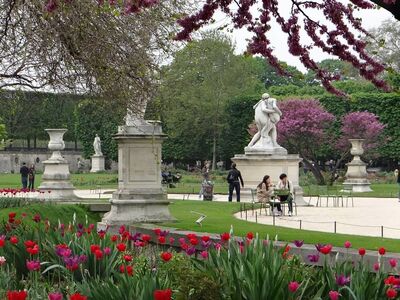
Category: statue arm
[266,110]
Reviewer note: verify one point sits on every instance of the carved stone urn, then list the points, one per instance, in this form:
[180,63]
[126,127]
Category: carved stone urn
[56,176]
[356,176]
[56,143]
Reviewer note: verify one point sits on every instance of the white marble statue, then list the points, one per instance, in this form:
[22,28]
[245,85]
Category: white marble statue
[266,116]
[97,146]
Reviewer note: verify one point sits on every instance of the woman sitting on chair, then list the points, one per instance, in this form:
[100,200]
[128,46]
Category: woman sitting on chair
[265,190]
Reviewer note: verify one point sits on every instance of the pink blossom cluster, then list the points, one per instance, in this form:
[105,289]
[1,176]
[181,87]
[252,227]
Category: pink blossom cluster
[335,36]
[360,125]
[305,119]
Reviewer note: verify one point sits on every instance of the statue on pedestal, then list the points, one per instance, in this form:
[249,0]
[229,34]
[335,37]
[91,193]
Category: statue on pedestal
[267,114]
[97,146]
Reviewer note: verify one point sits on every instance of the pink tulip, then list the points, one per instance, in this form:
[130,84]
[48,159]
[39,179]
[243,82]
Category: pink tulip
[334,295]
[347,244]
[293,286]
[55,296]
[393,262]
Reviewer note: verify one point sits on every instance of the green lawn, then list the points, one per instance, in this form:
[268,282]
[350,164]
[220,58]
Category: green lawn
[190,184]
[80,181]
[53,212]
[220,218]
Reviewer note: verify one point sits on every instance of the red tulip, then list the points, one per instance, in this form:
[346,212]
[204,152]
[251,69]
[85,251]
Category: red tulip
[225,236]
[77,296]
[94,248]
[114,238]
[194,241]
[127,258]
[361,251]
[12,215]
[157,231]
[191,236]
[121,247]
[161,239]
[146,237]
[205,238]
[347,244]
[99,254]
[391,293]
[128,269]
[326,249]
[162,294]
[14,240]
[382,251]
[33,251]
[17,295]
[250,235]
[166,256]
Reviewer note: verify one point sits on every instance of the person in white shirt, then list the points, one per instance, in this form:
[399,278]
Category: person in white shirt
[285,184]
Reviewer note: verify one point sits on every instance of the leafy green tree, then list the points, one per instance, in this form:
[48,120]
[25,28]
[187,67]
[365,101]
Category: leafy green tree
[102,118]
[270,77]
[194,92]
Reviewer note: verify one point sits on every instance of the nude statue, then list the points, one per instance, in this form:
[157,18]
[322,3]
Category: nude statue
[266,115]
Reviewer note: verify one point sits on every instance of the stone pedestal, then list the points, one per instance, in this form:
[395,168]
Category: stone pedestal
[254,165]
[97,163]
[56,176]
[140,196]
[356,176]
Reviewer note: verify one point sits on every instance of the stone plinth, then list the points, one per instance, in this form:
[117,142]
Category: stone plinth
[97,163]
[56,176]
[356,176]
[140,196]
[255,166]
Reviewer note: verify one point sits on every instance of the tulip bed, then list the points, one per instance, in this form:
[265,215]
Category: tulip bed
[40,260]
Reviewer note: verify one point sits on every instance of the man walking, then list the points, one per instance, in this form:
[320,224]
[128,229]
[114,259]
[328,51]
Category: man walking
[24,171]
[233,179]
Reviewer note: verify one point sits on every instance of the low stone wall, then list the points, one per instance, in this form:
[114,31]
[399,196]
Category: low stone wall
[11,161]
[337,253]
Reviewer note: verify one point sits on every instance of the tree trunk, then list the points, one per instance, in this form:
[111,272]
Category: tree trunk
[316,171]
[214,153]
[340,160]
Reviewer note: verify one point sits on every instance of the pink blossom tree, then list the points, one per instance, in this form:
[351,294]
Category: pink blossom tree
[358,125]
[307,128]
[303,129]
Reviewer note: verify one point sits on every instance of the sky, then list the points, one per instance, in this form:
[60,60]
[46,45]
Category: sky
[370,18]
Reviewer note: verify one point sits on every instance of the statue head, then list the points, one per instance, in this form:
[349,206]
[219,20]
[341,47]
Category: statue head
[265,96]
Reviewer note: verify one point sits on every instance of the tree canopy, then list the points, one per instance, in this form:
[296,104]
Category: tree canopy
[194,91]
[84,47]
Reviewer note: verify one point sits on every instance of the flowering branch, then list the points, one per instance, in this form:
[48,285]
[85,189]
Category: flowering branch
[339,41]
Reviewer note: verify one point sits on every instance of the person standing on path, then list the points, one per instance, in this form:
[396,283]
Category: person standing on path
[233,179]
[31,178]
[24,171]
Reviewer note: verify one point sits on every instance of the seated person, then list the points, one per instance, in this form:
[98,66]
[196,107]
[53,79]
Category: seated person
[265,190]
[285,184]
